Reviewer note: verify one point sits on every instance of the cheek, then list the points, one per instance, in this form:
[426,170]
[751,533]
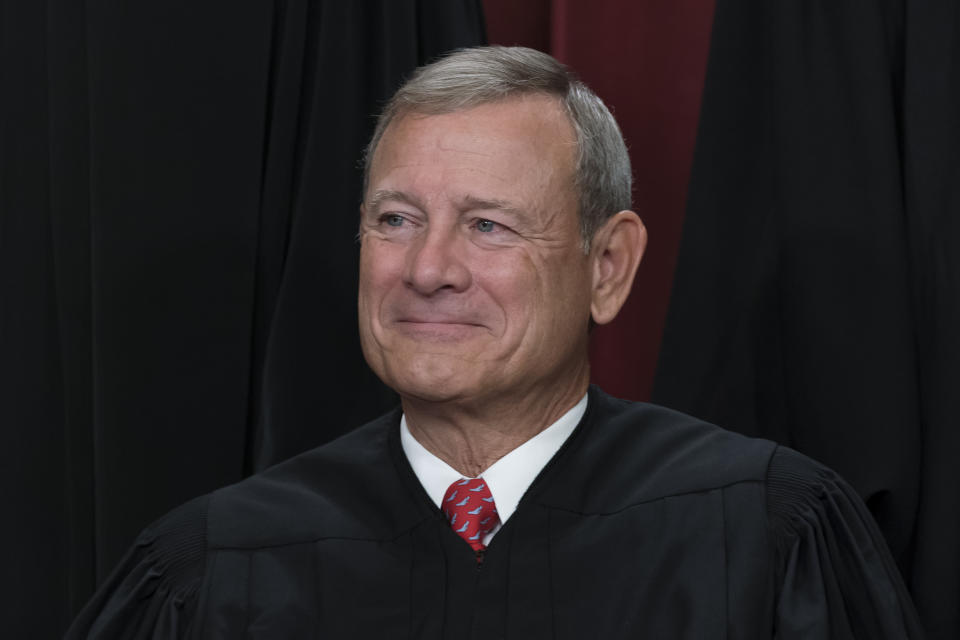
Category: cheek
[566,298]
[373,287]
[380,267]
[517,287]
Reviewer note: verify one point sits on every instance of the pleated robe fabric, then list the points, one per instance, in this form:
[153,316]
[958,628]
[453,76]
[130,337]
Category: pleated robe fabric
[817,292]
[647,523]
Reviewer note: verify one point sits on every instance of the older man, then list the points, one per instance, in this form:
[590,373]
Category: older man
[508,498]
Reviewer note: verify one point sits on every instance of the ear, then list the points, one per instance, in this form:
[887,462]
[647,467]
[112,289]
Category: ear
[616,251]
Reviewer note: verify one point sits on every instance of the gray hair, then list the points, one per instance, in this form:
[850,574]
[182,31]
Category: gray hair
[470,77]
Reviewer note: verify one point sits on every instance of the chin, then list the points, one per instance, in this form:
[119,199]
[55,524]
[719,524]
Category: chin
[427,390]
[431,378]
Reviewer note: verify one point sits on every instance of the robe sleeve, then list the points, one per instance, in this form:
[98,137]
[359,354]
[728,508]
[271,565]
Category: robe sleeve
[153,592]
[834,574]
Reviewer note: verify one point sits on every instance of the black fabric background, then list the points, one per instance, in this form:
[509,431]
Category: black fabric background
[178,205]
[817,294]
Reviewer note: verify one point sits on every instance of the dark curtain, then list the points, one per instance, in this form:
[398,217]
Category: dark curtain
[179,184]
[817,294]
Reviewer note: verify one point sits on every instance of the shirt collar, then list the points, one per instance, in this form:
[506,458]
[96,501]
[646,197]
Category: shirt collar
[509,477]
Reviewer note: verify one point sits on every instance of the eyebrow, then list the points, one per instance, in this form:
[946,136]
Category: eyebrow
[472,203]
[383,195]
[469,203]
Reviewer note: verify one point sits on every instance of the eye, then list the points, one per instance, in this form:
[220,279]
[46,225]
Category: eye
[392,219]
[486,226]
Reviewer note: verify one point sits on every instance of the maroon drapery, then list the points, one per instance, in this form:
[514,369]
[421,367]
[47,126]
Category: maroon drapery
[647,60]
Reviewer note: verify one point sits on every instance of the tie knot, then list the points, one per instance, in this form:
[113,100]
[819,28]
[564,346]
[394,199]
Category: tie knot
[468,505]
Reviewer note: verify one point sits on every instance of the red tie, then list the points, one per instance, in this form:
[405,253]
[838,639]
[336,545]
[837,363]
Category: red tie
[471,511]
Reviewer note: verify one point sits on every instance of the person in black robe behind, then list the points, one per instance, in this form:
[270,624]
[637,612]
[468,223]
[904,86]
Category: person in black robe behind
[495,230]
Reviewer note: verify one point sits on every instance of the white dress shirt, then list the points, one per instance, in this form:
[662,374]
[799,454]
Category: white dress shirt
[508,478]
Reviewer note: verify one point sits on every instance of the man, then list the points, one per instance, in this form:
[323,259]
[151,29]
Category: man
[508,498]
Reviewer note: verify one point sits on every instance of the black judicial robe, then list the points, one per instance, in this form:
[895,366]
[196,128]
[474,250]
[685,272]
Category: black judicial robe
[646,524]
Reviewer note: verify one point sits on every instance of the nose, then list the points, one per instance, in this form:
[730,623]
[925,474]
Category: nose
[435,263]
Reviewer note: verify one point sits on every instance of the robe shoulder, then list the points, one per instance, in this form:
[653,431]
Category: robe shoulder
[347,488]
[325,492]
[626,453]
[153,592]
[834,573]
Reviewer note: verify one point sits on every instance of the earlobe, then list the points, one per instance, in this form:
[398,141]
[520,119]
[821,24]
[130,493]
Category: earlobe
[617,249]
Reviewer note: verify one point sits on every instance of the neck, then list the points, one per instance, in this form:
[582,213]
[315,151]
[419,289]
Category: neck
[471,435]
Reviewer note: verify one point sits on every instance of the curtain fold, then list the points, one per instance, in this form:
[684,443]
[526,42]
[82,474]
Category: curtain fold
[178,211]
[816,296]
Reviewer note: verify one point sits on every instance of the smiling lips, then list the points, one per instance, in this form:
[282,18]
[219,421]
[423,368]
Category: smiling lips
[418,320]
[436,327]
[432,322]
[410,315]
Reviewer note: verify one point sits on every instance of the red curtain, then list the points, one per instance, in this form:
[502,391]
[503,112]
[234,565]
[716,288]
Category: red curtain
[647,60]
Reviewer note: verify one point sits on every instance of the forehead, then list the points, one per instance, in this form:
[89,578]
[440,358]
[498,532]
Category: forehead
[524,141]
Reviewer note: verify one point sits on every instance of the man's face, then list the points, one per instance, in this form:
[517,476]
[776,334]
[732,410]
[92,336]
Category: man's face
[473,282]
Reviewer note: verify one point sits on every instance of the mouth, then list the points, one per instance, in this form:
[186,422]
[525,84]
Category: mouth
[437,329]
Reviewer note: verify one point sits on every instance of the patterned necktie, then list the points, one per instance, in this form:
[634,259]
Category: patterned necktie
[471,511]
